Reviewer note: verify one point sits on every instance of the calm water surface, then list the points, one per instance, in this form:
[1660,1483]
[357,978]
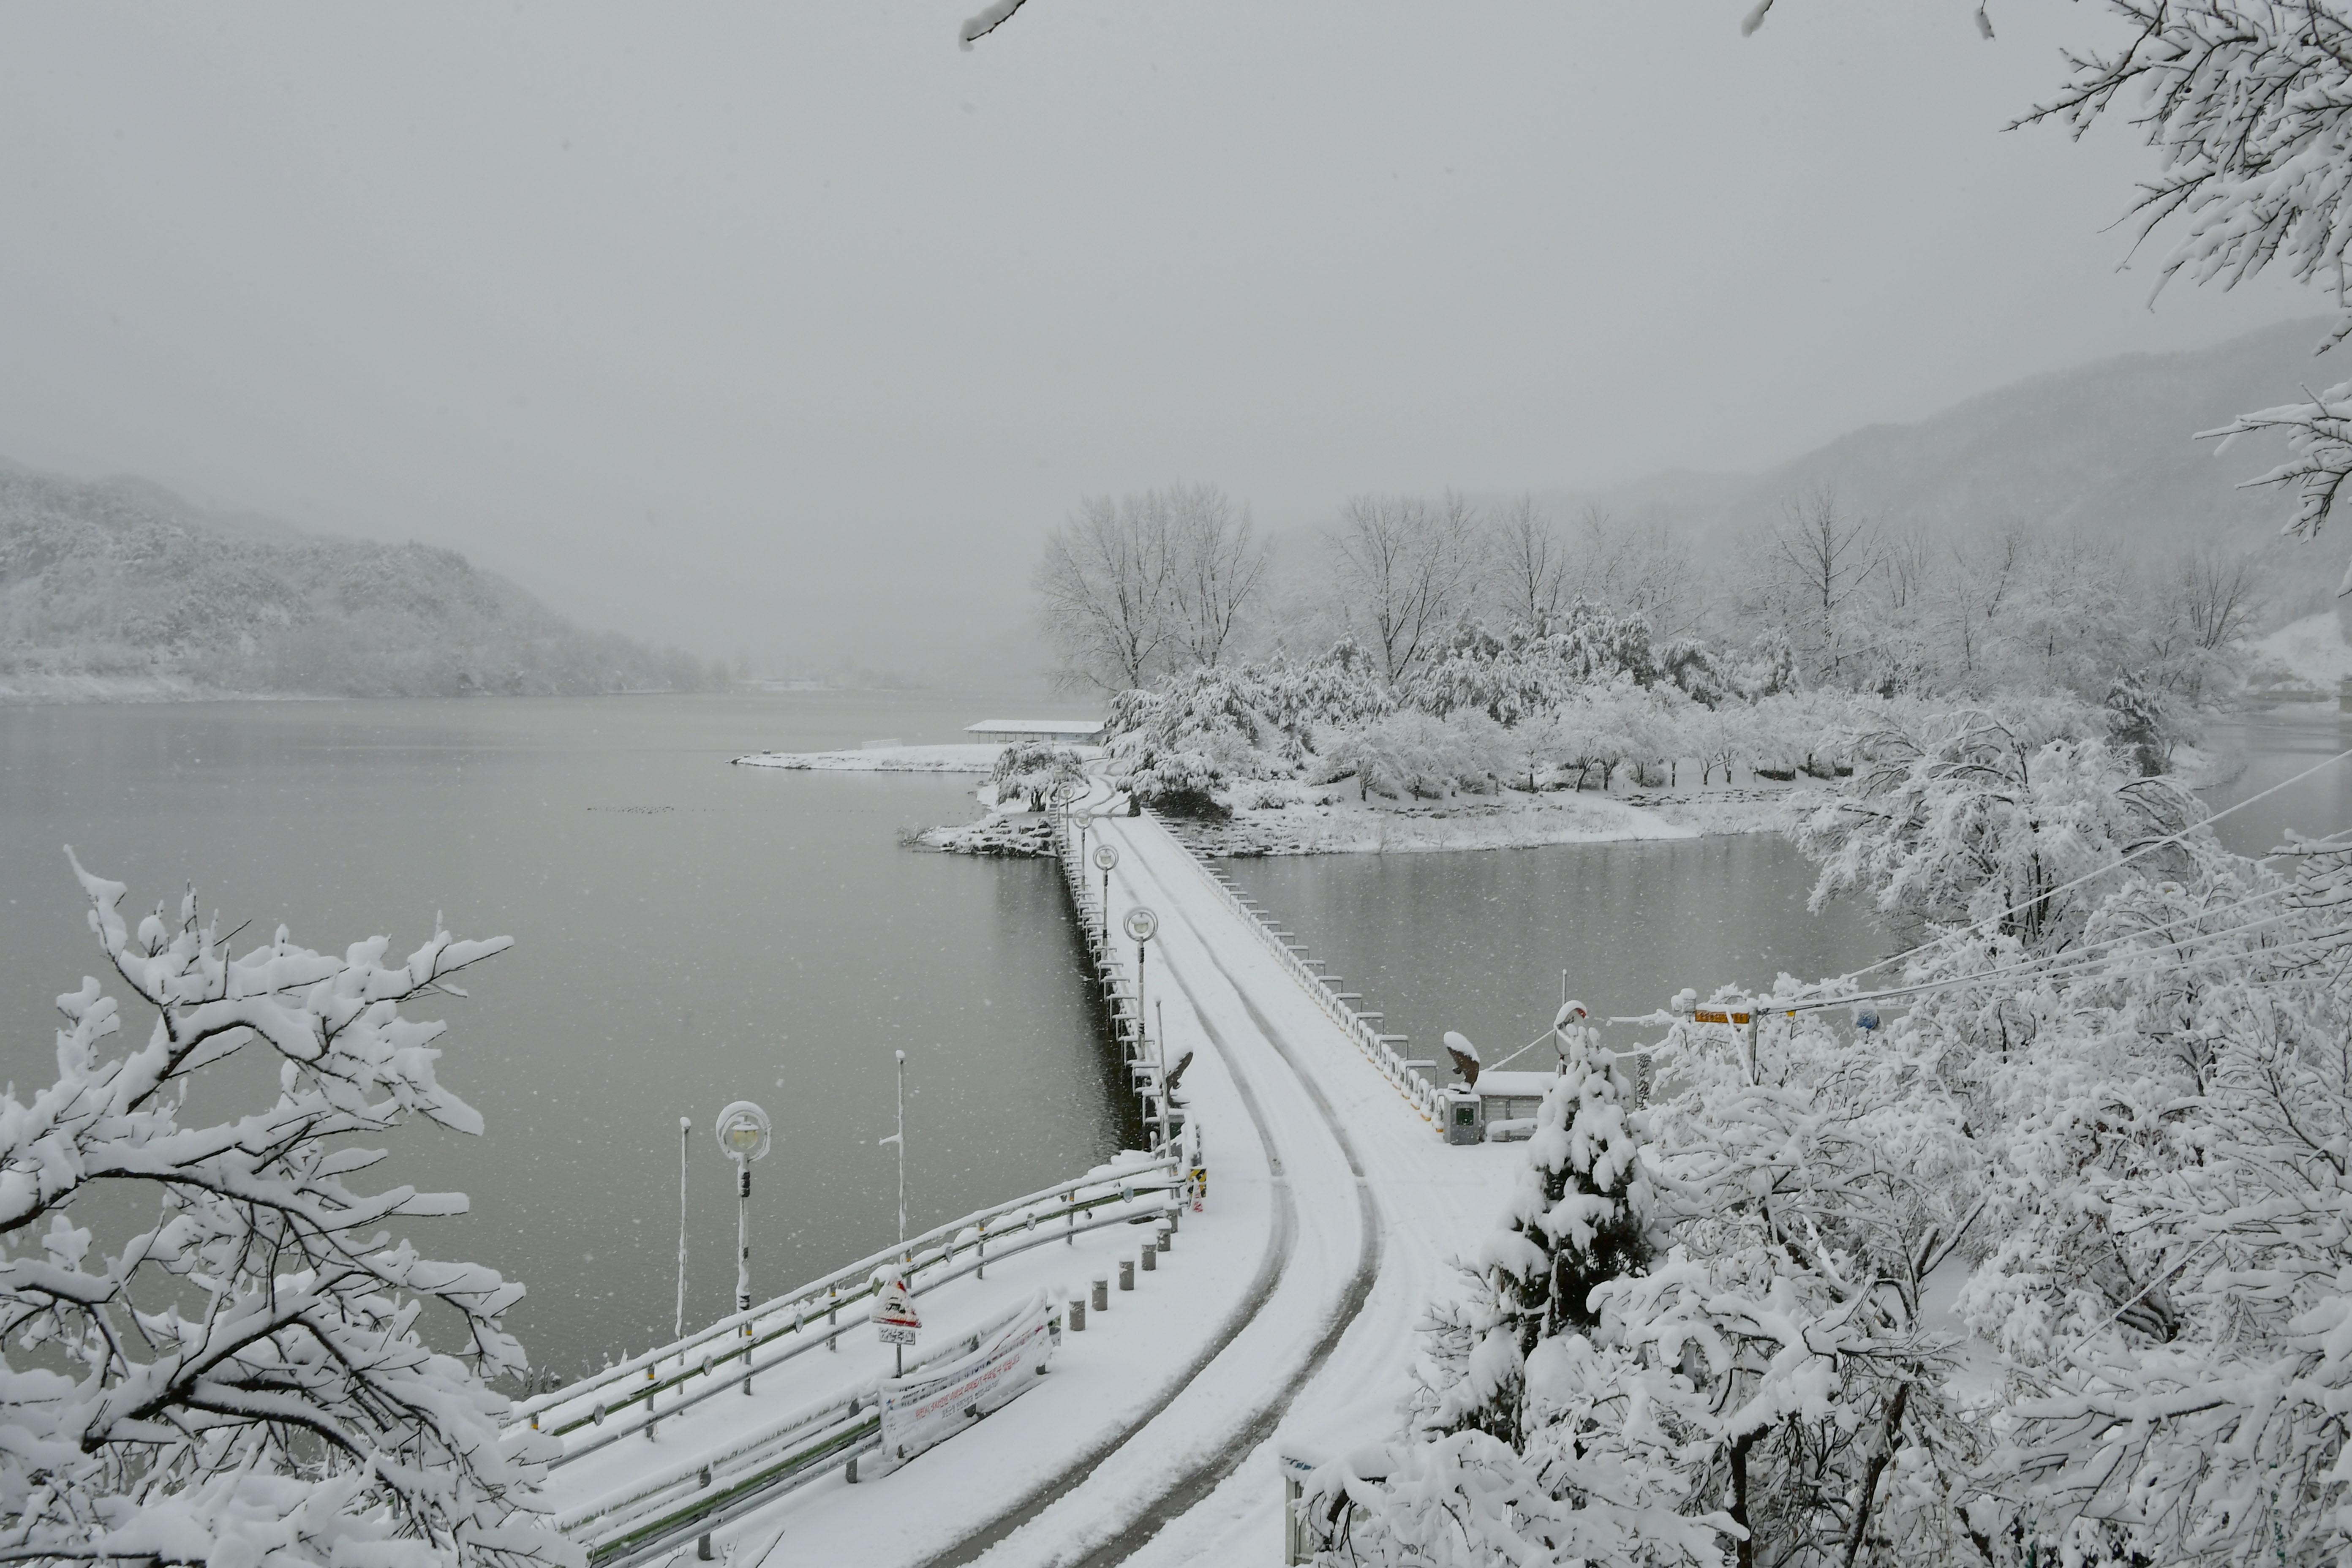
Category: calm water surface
[686,933]
[1476,940]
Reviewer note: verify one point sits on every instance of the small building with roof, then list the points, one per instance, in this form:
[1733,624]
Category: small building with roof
[1065,731]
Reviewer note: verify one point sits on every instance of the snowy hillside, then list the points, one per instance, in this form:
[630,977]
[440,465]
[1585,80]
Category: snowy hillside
[121,591]
[2304,660]
[2109,447]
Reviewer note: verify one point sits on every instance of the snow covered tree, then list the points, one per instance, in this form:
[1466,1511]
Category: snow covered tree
[1406,569]
[1813,1188]
[1529,563]
[1820,560]
[1105,592]
[1581,1213]
[1969,820]
[1216,566]
[1535,1440]
[246,1377]
[2171,1283]
[1037,772]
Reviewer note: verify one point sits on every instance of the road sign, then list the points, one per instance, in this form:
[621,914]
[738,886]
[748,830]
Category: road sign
[894,1318]
[1105,857]
[1140,923]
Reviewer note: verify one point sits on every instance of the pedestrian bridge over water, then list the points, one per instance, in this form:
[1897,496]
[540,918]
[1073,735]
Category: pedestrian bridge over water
[1280,1314]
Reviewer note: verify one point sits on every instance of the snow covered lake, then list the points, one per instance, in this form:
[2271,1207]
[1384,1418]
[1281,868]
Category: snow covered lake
[687,934]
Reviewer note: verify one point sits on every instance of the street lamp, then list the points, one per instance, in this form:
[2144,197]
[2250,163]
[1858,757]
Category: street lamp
[1105,857]
[744,1134]
[1140,924]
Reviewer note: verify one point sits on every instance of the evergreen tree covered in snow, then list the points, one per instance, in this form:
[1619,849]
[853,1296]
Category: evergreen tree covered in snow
[1537,1437]
[245,1378]
[1580,1213]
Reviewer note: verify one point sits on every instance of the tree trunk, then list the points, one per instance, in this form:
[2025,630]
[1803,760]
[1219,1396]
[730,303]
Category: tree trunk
[1739,1500]
[1878,1464]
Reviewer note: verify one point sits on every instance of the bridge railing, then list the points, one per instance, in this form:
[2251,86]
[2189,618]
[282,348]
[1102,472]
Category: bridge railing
[635,1396]
[662,1502]
[1417,1090]
[1115,974]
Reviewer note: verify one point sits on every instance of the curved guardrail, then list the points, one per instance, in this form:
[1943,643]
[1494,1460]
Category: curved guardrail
[664,1503]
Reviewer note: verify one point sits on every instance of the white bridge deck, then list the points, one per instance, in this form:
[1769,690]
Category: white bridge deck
[1289,1306]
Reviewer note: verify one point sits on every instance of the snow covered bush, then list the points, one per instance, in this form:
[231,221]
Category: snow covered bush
[1339,690]
[1037,772]
[245,1378]
[1534,669]
[1412,756]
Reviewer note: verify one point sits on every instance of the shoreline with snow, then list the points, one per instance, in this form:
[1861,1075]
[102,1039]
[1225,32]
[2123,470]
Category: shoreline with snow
[953,759]
[1299,819]
[1330,821]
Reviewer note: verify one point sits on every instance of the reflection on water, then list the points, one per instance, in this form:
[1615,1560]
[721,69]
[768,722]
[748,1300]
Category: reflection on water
[686,933]
[1477,941]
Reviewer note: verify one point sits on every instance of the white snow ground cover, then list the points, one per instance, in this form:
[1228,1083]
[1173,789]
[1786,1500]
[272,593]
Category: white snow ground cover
[1304,1140]
[956,759]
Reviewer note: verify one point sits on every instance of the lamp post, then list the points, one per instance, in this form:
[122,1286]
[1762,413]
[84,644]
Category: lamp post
[745,1133]
[1105,857]
[1141,925]
[899,1138]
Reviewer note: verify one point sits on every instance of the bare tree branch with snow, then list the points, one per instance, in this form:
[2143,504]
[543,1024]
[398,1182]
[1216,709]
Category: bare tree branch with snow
[1406,572]
[246,1379]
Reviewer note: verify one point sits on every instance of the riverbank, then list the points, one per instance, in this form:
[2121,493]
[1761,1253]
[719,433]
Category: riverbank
[1283,817]
[883,757]
[1298,819]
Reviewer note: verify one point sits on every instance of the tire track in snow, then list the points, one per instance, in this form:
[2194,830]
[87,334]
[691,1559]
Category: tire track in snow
[1205,1478]
[1281,1239]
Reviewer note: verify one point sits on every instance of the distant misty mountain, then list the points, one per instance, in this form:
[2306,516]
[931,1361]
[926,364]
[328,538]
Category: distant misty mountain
[121,588]
[2107,446]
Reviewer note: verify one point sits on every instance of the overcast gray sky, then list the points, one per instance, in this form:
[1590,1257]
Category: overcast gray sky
[786,330]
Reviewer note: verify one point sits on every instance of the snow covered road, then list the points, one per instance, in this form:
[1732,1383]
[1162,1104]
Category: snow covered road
[1333,1211]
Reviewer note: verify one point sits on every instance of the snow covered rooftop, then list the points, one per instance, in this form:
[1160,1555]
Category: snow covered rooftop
[1037,729]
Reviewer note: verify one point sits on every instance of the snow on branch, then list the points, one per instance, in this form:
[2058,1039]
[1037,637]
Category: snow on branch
[985,21]
[246,1379]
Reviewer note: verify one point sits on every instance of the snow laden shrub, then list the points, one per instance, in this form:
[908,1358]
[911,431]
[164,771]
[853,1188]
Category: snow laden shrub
[1339,690]
[1536,1436]
[246,1377]
[1533,670]
[1959,818]
[1411,755]
[1201,731]
[1038,773]
[1814,1183]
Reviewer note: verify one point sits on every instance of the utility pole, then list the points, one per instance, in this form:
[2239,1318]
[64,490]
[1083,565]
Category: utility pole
[899,1138]
[685,1130]
[902,1149]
